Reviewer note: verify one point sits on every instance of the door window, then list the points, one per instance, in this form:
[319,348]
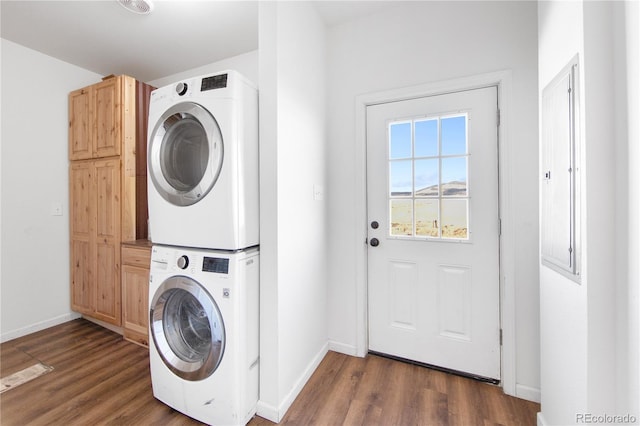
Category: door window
[428,178]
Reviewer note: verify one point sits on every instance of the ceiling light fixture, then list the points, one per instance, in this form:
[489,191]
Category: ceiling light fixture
[141,7]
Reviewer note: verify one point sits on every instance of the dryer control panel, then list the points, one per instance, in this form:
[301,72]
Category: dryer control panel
[219,265]
[214,82]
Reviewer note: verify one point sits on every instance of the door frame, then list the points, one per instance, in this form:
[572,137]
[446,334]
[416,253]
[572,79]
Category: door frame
[503,80]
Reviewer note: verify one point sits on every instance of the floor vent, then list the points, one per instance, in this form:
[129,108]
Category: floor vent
[23,376]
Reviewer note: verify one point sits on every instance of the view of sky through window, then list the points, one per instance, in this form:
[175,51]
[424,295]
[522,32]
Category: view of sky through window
[428,173]
[426,152]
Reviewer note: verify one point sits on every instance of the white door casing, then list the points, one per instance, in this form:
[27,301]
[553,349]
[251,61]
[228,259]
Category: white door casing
[433,281]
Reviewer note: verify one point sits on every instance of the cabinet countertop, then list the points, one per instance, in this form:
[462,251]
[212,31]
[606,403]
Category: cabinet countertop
[142,243]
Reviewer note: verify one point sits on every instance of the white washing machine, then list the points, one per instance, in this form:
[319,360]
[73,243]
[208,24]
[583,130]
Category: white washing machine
[202,159]
[204,348]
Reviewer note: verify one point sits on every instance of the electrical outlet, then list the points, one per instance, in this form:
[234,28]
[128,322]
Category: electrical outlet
[56,209]
[318,192]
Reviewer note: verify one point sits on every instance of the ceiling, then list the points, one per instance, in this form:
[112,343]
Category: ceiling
[103,37]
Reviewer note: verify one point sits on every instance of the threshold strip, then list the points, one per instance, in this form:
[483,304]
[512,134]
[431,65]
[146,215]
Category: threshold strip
[438,368]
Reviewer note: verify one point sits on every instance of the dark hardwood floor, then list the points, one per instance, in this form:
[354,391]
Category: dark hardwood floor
[101,379]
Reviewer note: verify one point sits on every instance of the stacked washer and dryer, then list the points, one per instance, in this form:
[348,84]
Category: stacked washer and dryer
[204,225]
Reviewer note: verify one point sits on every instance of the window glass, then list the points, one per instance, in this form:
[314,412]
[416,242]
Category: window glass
[454,135]
[427,217]
[454,218]
[400,140]
[401,178]
[427,177]
[401,217]
[426,144]
[454,177]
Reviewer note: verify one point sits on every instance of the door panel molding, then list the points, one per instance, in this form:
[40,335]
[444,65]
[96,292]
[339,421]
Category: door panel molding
[502,79]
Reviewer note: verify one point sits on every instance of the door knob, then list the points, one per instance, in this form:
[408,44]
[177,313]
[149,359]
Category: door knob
[374,242]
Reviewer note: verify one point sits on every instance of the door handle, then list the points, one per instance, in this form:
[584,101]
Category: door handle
[375,224]
[374,242]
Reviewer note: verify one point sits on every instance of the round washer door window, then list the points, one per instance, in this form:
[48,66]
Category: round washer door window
[187,328]
[185,154]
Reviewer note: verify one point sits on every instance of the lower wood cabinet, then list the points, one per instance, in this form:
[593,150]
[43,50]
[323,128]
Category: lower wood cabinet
[96,200]
[136,258]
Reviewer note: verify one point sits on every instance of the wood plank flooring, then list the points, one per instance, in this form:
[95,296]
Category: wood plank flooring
[101,379]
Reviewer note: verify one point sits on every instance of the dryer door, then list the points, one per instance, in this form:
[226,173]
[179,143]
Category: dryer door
[185,153]
[187,328]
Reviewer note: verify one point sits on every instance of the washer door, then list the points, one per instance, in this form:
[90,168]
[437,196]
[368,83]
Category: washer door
[185,154]
[187,328]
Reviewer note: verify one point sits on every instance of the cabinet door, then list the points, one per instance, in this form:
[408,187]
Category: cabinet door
[107,243]
[81,201]
[80,124]
[107,107]
[135,300]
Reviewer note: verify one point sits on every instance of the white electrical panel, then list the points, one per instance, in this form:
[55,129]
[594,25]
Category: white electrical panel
[559,192]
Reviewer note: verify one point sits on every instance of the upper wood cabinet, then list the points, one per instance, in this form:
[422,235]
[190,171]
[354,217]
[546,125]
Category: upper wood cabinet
[80,124]
[105,204]
[96,118]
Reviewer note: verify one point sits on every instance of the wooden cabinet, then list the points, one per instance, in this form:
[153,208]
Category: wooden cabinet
[95,238]
[95,119]
[80,124]
[102,192]
[136,258]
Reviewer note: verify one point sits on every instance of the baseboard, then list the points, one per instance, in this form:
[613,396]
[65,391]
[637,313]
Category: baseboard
[39,326]
[541,421]
[527,392]
[342,348]
[267,411]
[275,414]
[114,328]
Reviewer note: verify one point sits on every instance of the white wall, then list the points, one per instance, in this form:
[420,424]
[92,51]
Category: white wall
[428,42]
[589,341]
[293,240]
[35,244]
[563,313]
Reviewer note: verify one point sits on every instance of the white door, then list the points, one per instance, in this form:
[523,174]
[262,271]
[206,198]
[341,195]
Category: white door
[433,271]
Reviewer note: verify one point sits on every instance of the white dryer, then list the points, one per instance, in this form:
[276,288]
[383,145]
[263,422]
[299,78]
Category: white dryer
[202,159]
[204,352]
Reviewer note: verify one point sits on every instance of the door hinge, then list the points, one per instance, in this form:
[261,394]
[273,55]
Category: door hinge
[499,227]
[500,337]
[498,118]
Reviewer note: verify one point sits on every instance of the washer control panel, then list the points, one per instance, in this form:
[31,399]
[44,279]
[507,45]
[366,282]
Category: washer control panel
[185,261]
